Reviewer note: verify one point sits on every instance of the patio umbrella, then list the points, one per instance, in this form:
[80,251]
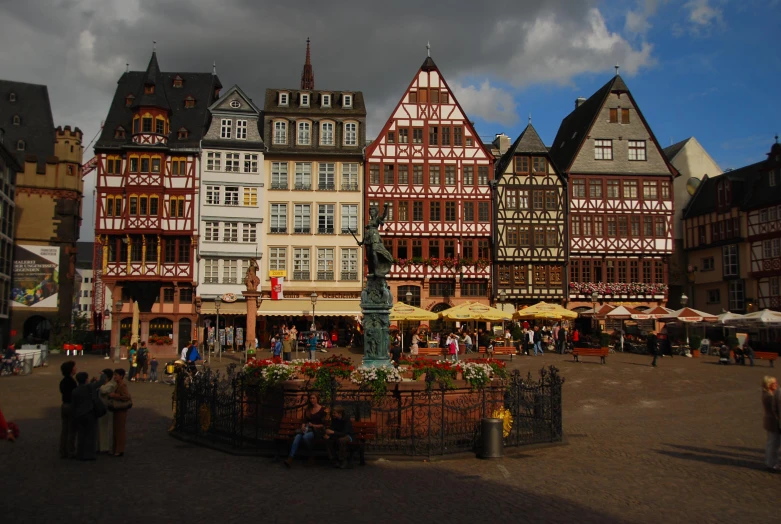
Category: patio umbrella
[544,310]
[657,312]
[475,311]
[726,317]
[766,316]
[401,311]
[623,313]
[688,315]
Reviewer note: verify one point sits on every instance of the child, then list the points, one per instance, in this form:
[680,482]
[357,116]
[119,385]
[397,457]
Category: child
[153,369]
[132,361]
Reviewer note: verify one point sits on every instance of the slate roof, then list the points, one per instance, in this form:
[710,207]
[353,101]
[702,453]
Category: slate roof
[9,157]
[37,124]
[357,110]
[200,86]
[249,111]
[527,142]
[152,77]
[674,149]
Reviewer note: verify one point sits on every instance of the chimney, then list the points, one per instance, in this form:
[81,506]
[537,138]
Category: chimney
[502,143]
[579,101]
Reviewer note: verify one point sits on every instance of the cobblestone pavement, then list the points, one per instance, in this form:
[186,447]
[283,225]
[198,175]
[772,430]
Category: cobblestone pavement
[683,441]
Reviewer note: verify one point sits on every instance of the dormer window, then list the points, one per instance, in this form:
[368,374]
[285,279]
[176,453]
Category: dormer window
[723,193]
[304,100]
[182,133]
[235,104]
[178,82]
[119,132]
[283,99]
[17,120]
[347,101]
[12,97]
[189,102]
[129,100]
[772,178]
[20,145]
[326,101]
[149,89]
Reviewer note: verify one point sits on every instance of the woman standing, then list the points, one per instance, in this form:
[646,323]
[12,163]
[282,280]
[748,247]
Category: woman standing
[106,423]
[121,403]
[414,345]
[770,403]
[68,432]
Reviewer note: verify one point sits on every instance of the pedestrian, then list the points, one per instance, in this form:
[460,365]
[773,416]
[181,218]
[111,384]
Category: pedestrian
[277,347]
[338,436]
[468,345]
[529,340]
[7,429]
[132,363]
[185,349]
[771,403]
[287,348]
[142,359]
[653,346]
[555,336]
[68,430]
[562,339]
[748,352]
[452,347]
[395,353]
[85,415]
[294,339]
[121,402]
[153,369]
[537,340]
[312,428]
[192,355]
[576,338]
[414,345]
[106,423]
[312,346]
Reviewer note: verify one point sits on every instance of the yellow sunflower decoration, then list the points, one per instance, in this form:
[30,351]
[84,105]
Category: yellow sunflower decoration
[206,418]
[507,420]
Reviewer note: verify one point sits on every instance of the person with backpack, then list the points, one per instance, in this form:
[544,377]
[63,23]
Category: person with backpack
[142,362]
[132,363]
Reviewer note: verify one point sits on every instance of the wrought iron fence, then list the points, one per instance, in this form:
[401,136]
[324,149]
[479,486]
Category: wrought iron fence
[225,411]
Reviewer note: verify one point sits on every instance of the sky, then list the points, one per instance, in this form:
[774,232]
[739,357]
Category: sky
[703,68]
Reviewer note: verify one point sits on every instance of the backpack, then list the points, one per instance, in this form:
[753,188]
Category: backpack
[142,353]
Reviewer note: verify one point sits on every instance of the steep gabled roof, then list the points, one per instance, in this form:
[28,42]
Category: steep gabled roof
[527,142]
[671,151]
[242,94]
[36,125]
[154,78]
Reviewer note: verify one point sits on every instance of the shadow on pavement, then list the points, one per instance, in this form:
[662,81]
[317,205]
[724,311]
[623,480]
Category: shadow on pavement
[694,449]
[714,457]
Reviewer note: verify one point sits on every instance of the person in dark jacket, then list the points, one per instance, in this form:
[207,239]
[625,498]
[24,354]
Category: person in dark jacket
[84,416]
[68,431]
[653,346]
[340,434]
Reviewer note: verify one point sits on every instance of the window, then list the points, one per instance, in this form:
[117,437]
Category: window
[403,175]
[304,100]
[433,176]
[595,189]
[133,208]
[613,115]
[327,134]
[413,97]
[391,139]
[635,226]
[511,199]
[434,211]
[729,261]
[450,211]
[450,248]
[771,178]
[146,124]
[417,136]
[303,181]
[226,126]
[707,264]
[350,177]
[248,233]
[511,234]
[325,263]
[230,232]
[714,296]
[347,101]
[283,99]
[326,177]
[231,195]
[450,175]
[613,190]
[586,226]
[302,214]
[403,136]
[469,175]
[445,136]
[736,295]
[250,163]
[458,133]
[301,263]
[417,211]
[232,162]
[551,236]
[241,129]
[184,249]
[278,218]
[145,164]
[537,199]
[280,132]
[625,116]
[250,196]
[482,175]
[213,161]
[304,133]
[660,228]
[350,217]
[325,100]
[637,150]
[521,164]
[630,189]
[350,134]
[417,175]
[388,177]
[211,232]
[623,229]
[603,150]
[325,219]
[579,188]
[178,166]
[611,226]
[374,174]
[469,211]
[551,201]
[576,226]
[213,195]
[482,212]
[433,135]
[523,199]
[401,249]
[230,271]
[277,259]
[650,190]
[538,165]
[598,226]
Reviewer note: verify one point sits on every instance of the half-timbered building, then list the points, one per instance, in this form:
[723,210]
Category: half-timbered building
[146,231]
[620,200]
[763,217]
[432,171]
[530,241]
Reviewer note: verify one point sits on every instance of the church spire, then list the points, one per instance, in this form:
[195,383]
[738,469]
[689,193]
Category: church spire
[307,76]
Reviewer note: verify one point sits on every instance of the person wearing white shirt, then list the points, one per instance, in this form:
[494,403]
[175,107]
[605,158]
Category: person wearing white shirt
[184,352]
[467,343]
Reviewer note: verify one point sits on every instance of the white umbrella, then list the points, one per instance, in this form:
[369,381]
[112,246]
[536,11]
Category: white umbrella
[766,316]
[688,315]
[729,317]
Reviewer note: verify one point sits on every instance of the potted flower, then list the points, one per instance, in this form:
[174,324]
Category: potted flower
[327,374]
[376,379]
[694,344]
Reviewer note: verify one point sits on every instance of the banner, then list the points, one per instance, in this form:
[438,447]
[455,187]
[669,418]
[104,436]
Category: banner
[36,280]
[276,288]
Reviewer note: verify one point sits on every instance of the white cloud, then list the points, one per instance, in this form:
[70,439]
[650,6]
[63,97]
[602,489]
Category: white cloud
[487,102]
[703,15]
[637,20]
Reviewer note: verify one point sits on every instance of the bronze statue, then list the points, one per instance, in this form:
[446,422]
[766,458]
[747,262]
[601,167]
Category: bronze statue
[252,280]
[378,257]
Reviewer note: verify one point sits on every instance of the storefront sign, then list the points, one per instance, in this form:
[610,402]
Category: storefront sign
[229,297]
[36,280]
[277,273]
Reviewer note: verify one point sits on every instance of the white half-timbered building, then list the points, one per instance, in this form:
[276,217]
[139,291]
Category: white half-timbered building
[430,167]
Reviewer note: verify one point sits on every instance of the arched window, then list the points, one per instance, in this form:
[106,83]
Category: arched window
[109,206]
[156,161]
[17,120]
[119,132]
[136,125]
[143,205]
[412,300]
[161,127]
[118,206]
[160,327]
[133,209]
[280,132]
[153,211]
[20,145]
[182,133]
[327,133]
[350,133]
[304,133]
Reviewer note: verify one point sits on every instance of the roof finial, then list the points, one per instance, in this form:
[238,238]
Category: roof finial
[214,68]
[617,68]
[307,75]
[127,68]
[154,46]
[776,138]
[530,119]
[428,49]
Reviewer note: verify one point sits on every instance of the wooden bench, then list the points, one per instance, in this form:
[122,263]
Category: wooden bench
[766,355]
[430,352]
[590,352]
[499,350]
[362,432]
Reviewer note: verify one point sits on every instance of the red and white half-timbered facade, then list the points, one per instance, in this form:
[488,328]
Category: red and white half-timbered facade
[146,224]
[620,200]
[430,167]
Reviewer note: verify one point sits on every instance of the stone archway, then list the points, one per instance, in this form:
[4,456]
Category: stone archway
[36,329]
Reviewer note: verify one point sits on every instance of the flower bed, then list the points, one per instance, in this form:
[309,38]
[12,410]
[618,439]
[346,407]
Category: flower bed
[617,288]
[376,379]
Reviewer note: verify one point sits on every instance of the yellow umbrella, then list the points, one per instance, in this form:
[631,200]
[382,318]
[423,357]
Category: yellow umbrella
[475,311]
[543,310]
[402,311]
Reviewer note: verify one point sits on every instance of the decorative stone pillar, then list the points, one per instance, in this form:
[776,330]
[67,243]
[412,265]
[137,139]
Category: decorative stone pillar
[376,303]
[252,315]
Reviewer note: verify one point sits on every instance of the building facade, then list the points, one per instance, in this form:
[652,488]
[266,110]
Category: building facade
[429,167]
[146,230]
[232,204]
[48,210]
[763,221]
[530,234]
[8,169]
[314,177]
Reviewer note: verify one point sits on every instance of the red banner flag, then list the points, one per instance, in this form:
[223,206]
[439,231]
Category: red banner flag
[276,288]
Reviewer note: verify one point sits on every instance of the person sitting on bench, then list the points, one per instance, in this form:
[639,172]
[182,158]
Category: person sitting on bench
[313,426]
[340,434]
[746,352]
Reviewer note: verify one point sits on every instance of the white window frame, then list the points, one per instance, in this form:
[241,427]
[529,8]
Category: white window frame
[284,99]
[279,175]
[349,264]
[249,194]
[325,101]
[304,99]
[232,162]
[231,196]
[326,176]
[650,190]
[213,161]
[736,292]
[601,147]
[303,176]
[350,133]
[302,218]
[347,101]
[211,271]
[230,231]
[637,151]
[278,218]
[213,195]
[729,261]
[302,263]
[280,132]
[249,233]
[326,219]
[304,133]
[250,162]
[349,218]
[325,263]
[211,232]
[277,259]
[241,129]
[226,128]
[350,176]
[230,271]
[327,134]
[774,284]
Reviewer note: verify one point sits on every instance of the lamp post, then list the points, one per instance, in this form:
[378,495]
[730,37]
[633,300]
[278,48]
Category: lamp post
[408,296]
[684,301]
[107,315]
[313,297]
[502,300]
[594,298]
[217,328]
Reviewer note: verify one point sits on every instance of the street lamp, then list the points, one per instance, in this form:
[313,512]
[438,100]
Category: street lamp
[409,297]
[313,297]
[684,301]
[502,300]
[217,328]
[107,315]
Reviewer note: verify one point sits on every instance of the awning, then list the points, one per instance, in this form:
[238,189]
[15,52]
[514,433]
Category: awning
[226,308]
[303,307]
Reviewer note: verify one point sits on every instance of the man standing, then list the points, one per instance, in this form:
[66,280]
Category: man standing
[287,348]
[653,346]
[537,340]
[142,358]
[562,339]
[338,436]
[294,339]
[312,346]
[555,336]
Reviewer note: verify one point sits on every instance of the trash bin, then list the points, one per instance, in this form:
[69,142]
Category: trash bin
[27,367]
[492,438]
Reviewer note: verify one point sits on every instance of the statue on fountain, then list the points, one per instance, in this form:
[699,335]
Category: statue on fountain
[252,280]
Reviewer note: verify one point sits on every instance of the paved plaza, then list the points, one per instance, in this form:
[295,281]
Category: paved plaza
[681,442]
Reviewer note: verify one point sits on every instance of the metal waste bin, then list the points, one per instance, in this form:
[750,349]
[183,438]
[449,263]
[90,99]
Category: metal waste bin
[492,438]
[27,367]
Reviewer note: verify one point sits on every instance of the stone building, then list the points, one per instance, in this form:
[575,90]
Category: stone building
[8,169]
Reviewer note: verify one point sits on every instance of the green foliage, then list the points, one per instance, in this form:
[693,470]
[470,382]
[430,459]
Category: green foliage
[604,340]
[517,333]
[695,342]
[732,342]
